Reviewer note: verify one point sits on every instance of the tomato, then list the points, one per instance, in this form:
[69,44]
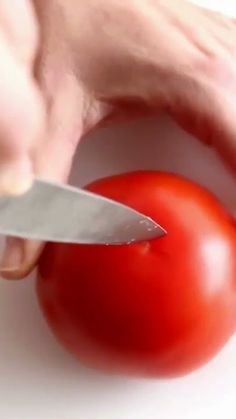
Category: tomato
[156,308]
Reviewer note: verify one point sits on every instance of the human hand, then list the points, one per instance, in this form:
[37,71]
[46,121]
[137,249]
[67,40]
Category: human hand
[21,117]
[100,61]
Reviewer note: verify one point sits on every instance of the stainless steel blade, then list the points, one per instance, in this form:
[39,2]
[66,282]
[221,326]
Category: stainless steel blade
[53,212]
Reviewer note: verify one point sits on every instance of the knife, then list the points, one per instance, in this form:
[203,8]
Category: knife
[63,213]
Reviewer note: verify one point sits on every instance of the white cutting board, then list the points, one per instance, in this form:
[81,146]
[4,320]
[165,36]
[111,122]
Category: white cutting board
[39,380]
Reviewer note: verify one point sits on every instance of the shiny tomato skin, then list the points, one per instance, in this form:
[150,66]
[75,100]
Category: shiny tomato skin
[156,308]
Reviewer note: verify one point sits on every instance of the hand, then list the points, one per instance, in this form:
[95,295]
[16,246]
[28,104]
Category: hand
[21,117]
[101,60]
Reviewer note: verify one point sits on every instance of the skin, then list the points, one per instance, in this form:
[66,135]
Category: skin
[77,65]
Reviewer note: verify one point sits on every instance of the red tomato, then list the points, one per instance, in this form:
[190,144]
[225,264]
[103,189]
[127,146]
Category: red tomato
[162,307]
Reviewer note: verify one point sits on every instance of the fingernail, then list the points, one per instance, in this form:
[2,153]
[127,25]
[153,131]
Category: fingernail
[16,178]
[13,255]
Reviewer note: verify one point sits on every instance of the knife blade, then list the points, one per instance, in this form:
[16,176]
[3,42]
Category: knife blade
[63,213]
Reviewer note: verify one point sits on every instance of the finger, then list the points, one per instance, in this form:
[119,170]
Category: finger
[53,161]
[207,113]
[223,131]
[21,33]
[13,264]
[21,122]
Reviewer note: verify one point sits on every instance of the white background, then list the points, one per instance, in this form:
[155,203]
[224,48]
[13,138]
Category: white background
[39,380]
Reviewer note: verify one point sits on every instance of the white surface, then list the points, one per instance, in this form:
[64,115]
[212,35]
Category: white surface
[39,380]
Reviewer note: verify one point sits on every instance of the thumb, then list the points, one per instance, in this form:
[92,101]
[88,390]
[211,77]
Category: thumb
[53,160]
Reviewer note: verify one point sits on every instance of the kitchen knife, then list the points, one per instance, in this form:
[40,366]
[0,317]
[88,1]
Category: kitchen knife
[62,213]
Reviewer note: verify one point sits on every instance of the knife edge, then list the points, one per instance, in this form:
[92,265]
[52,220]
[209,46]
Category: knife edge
[54,212]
